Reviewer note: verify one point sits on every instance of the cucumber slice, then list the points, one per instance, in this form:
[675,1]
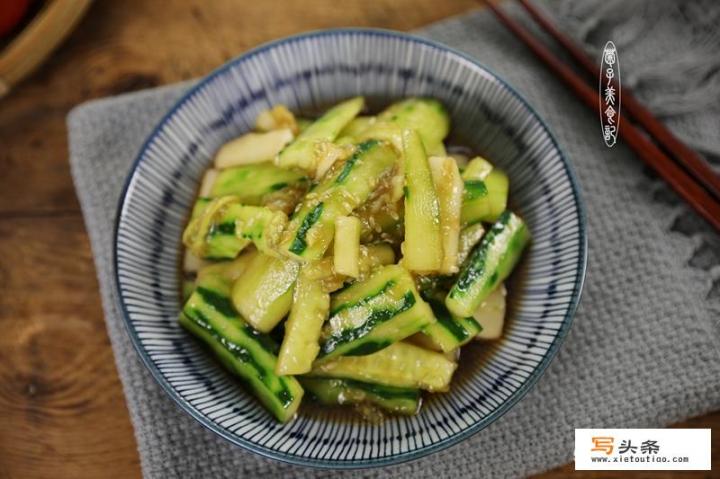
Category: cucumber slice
[277,118]
[253,183]
[422,248]
[228,270]
[252,148]
[207,183]
[401,365]
[427,116]
[381,216]
[309,311]
[303,124]
[311,228]
[200,204]
[346,252]
[449,332]
[486,192]
[469,237]
[489,264]
[210,316]
[327,154]
[477,169]
[349,392]
[193,264]
[372,314]
[371,256]
[264,292]
[188,287]
[491,314]
[449,188]
[300,153]
[357,126]
[225,227]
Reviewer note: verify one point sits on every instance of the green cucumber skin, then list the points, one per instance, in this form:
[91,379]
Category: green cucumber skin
[404,311]
[251,183]
[474,189]
[333,391]
[449,332]
[224,246]
[365,299]
[490,263]
[299,243]
[374,318]
[337,195]
[210,315]
[343,343]
[484,200]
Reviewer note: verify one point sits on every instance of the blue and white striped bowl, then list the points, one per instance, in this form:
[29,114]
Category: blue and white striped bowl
[308,73]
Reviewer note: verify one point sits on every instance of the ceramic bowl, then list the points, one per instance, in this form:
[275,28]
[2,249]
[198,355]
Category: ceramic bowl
[308,73]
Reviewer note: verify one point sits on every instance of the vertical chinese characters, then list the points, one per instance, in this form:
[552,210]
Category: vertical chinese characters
[609,94]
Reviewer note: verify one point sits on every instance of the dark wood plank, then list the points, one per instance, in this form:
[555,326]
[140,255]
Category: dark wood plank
[62,413]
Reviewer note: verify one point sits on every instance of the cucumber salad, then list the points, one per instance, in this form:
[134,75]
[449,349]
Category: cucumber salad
[347,259]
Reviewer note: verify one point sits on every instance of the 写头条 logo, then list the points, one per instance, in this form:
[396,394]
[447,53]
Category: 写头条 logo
[642,449]
[606,444]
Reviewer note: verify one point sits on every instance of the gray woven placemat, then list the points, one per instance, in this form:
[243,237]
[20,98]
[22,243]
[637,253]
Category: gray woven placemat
[642,351]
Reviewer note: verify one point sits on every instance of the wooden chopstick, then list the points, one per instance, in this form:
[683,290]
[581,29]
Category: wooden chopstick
[693,193]
[688,158]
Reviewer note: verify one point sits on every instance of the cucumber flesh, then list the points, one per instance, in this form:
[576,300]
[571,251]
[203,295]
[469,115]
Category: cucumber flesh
[253,183]
[228,270]
[486,192]
[264,292]
[371,256]
[210,316]
[477,169]
[356,127]
[489,264]
[422,248]
[427,116]
[372,314]
[470,236]
[252,148]
[491,314]
[309,311]
[349,392]
[277,118]
[401,365]
[346,253]
[449,189]
[300,153]
[225,227]
[449,332]
[341,191]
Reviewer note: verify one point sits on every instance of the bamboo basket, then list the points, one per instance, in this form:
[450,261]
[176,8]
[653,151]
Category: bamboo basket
[52,24]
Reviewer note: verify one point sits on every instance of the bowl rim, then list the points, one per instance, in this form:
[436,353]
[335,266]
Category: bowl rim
[407,456]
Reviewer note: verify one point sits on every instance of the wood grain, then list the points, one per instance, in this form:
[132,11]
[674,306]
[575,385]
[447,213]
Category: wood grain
[62,412]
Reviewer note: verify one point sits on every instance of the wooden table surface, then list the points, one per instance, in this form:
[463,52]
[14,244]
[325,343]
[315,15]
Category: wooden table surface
[62,411]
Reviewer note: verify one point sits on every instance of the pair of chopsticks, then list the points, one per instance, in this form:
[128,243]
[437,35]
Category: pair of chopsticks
[681,167]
